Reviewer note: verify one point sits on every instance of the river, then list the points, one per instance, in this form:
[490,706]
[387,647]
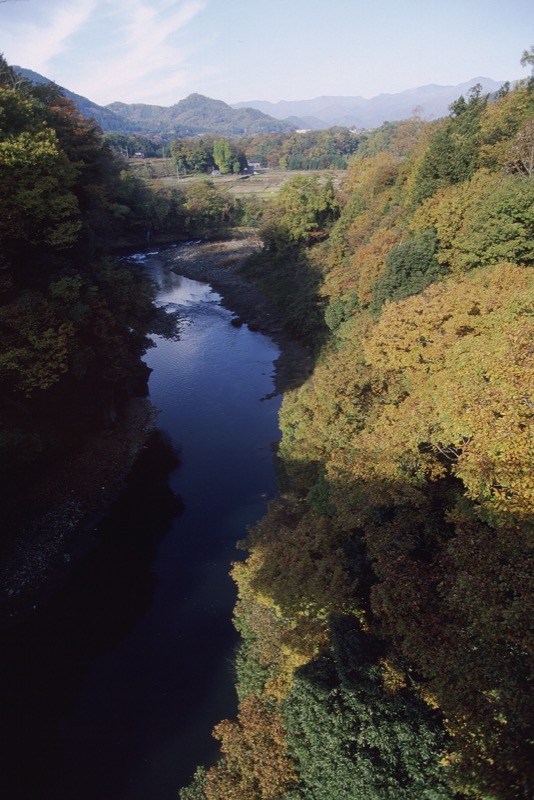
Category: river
[116,682]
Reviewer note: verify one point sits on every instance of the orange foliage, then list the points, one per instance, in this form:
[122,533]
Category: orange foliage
[255,765]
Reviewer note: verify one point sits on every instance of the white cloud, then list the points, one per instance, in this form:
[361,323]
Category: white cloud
[109,50]
[39,40]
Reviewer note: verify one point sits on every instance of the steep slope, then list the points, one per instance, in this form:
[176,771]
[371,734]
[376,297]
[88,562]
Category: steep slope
[105,118]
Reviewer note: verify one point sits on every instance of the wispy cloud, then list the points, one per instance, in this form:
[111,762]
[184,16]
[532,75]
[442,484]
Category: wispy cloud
[40,38]
[149,51]
[129,50]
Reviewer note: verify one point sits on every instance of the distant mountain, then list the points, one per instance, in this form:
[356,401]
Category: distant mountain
[431,102]
[193,115]
[197,114]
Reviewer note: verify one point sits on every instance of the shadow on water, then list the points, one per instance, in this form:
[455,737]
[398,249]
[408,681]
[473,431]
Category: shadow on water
[112,688]
[45,659]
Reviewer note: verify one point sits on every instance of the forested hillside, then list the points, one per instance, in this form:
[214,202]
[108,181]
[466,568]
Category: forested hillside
[74,322]
[384,605]
[191,116]
[386,598]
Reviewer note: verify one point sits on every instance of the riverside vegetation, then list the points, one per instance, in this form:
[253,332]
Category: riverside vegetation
[384,604]
[385,601]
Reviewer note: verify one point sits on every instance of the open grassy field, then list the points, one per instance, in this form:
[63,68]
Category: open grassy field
[266,183]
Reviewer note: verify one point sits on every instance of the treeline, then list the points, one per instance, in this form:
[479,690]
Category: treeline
[207,153]
[128,145]
[386,599]
[308,150]
[74,322]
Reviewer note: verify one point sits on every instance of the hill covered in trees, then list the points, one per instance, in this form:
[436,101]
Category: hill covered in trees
[193,115]
[385,602]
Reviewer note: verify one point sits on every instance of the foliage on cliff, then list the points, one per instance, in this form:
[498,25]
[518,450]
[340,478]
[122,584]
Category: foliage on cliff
[73,322]
[385,602]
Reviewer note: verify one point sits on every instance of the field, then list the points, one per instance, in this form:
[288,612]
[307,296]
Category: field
[161,172]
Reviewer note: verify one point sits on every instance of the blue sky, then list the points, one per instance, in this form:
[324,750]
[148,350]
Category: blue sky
[159,51]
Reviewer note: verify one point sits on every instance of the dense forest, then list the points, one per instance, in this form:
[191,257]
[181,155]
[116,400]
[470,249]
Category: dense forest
[74,321]
[384,604]
[385,599]
[309,150]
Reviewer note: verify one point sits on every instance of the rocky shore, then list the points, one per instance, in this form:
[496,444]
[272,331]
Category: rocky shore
[68,501]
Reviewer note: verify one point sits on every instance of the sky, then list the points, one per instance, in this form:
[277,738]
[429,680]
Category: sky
[160,51]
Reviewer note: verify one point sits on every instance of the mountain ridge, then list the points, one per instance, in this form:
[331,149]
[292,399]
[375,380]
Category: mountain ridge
[197,114]
[430,100]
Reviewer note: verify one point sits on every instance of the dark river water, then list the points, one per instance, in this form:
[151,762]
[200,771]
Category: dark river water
[114,685]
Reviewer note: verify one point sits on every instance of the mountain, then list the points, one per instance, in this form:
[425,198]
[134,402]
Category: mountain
[193,115]
[106,119]
[431,101]
[198,114]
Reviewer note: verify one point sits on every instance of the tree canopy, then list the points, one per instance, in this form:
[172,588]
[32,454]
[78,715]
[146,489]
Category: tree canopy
[386,599]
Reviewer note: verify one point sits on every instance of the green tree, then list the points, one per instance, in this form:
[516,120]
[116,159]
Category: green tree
[410,267]
[223,156]
[350,737]
[501,226]
[452,154]
[304,207]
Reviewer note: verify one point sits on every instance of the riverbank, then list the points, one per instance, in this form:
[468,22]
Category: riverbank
[56,522]
[218,263]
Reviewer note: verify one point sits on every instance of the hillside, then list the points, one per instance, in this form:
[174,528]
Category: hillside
[386,599]
[105,118]
[198,114]
[195,114]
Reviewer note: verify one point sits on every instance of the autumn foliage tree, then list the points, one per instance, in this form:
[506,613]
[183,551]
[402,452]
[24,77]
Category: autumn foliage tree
[406,474]
[73,322]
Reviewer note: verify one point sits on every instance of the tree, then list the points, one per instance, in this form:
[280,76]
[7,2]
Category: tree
[305,206]
[522,151]
[350,737]
[527,58]
[255,764]
[410,267]
[451,155]
[73,326]
[223,156]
